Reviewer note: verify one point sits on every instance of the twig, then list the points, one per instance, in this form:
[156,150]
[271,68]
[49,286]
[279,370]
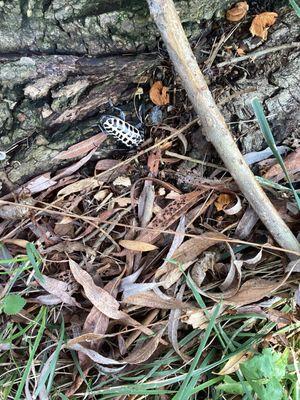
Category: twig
[194,160]
[259,53]
[213,123]
[95,221]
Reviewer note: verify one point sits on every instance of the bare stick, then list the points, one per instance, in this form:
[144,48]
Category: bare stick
[212,121]
[259,53]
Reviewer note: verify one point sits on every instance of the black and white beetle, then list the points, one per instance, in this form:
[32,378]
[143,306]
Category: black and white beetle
[126,133]
[131,136]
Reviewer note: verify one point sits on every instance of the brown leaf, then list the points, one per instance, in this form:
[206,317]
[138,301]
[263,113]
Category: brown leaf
[159,94]
[169,215]
[223,200]
[152,300]
[253,290]
[196,318]
[18,242]
[173,325]
[238,12]
[145,351]
[186,254]
[74,167]
[83,184]
[233,364]
[58,289]
[240,51]
[82,148]
[94,355]
[261,24]
[101,299]
[291,162]
[136,245]
[39,183]
[103,165]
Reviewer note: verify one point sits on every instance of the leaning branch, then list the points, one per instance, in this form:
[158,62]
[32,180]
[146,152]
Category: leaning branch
[212,121]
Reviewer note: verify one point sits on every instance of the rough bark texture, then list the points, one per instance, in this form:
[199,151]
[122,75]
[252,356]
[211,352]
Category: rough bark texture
[89,27]
[60,63]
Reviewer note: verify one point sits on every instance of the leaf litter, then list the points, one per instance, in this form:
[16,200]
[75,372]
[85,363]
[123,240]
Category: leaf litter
[121,240]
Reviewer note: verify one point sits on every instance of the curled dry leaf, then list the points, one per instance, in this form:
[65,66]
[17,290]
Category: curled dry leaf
[83,184]
[223,200]
[196,318]
[186,254]
[101,299]
[261,24]
[291,162]
[233,364]
[236,208]
[136,245]
[159,94]
[59,289]
[94,355]
[238,12]
[145,351]
[152,300]
[82,148]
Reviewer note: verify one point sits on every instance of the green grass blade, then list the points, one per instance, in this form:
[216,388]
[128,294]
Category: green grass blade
[295,6]
[49,375]
[41,316]
[185,390]
[266,130]
[35,260]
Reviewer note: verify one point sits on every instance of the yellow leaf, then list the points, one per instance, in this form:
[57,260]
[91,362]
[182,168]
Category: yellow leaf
[136,245]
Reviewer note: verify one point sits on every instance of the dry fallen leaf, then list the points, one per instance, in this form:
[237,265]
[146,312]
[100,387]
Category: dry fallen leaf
[223,201]
[238,12]
[145,351]
[253,290]
[169,215]
[122,181]
[186,254]
[152,300]
[196,318]
[101,299]
[59,289]
[261,24]
[159,94]
[233,364]
[136,245]
[291,162]
[240,51]
[82,148]
[83,184]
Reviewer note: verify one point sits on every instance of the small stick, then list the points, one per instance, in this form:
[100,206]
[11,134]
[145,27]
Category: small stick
[259,53]
[212,121]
